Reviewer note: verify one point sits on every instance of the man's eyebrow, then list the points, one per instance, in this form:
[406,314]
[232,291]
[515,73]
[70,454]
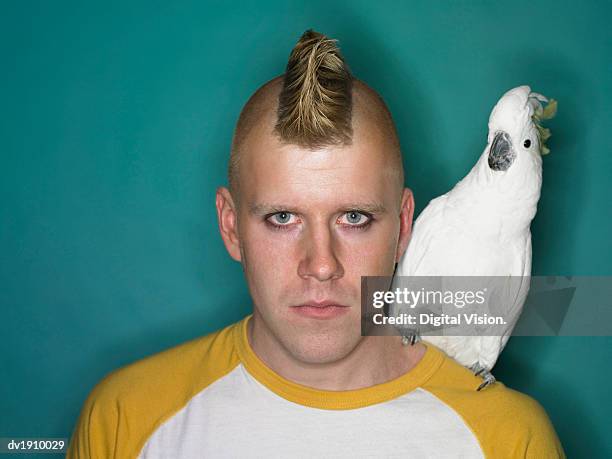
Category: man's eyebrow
[268,208]
[369,207]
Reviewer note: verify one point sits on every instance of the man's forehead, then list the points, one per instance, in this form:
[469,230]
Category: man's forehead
[294,179]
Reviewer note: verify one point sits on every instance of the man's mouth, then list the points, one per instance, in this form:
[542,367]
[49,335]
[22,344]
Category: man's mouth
[321,309]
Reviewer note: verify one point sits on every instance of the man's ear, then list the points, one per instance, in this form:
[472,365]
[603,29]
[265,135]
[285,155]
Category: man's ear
[228,222]
[406,214]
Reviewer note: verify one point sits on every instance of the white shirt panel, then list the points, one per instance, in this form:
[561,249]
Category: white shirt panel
[237,416]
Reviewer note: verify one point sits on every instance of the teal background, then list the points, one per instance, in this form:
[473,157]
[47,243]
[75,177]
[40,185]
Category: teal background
[115,130]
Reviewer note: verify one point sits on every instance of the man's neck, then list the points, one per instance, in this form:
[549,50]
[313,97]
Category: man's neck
[375,360]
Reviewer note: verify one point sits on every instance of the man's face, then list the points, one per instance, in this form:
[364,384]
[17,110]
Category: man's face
[310,224]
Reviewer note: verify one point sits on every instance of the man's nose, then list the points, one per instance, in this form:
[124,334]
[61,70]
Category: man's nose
[320,259]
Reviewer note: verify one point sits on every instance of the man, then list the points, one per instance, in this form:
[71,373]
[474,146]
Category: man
[316,200]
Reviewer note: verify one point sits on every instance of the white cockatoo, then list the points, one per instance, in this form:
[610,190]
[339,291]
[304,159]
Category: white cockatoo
[481,226]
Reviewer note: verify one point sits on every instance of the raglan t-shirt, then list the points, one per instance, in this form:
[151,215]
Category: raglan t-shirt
[213,397]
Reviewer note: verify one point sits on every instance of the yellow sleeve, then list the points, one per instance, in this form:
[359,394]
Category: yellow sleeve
[533,433]
[129,404]
[96,430]
[507,423]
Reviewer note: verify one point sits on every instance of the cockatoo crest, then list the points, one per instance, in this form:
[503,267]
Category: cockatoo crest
[542,113]
[521,107]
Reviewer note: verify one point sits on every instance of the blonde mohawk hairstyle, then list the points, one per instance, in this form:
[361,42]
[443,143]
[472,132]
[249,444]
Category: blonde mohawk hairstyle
[315,103]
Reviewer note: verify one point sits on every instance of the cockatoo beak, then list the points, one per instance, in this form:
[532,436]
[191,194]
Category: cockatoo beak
[501,153]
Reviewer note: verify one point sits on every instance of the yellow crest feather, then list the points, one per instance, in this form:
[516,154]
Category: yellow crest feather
[540,114]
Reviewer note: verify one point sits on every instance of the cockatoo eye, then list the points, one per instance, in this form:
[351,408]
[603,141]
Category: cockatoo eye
[527,143]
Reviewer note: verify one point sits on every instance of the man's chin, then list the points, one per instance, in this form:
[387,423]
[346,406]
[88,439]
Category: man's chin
[314,349]
[314,341]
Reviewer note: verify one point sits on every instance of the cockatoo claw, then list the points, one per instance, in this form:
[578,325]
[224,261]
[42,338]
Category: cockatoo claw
[485,374]
[410,337]
[486,382]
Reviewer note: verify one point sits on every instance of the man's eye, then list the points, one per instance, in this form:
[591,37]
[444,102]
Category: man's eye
[281,218]
[355,218]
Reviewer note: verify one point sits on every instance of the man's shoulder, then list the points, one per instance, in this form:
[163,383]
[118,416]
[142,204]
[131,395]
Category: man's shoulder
[507,422]
[203,357]
[458,384]
[140,396]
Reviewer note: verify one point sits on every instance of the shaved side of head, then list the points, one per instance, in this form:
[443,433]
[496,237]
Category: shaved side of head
[314,104]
